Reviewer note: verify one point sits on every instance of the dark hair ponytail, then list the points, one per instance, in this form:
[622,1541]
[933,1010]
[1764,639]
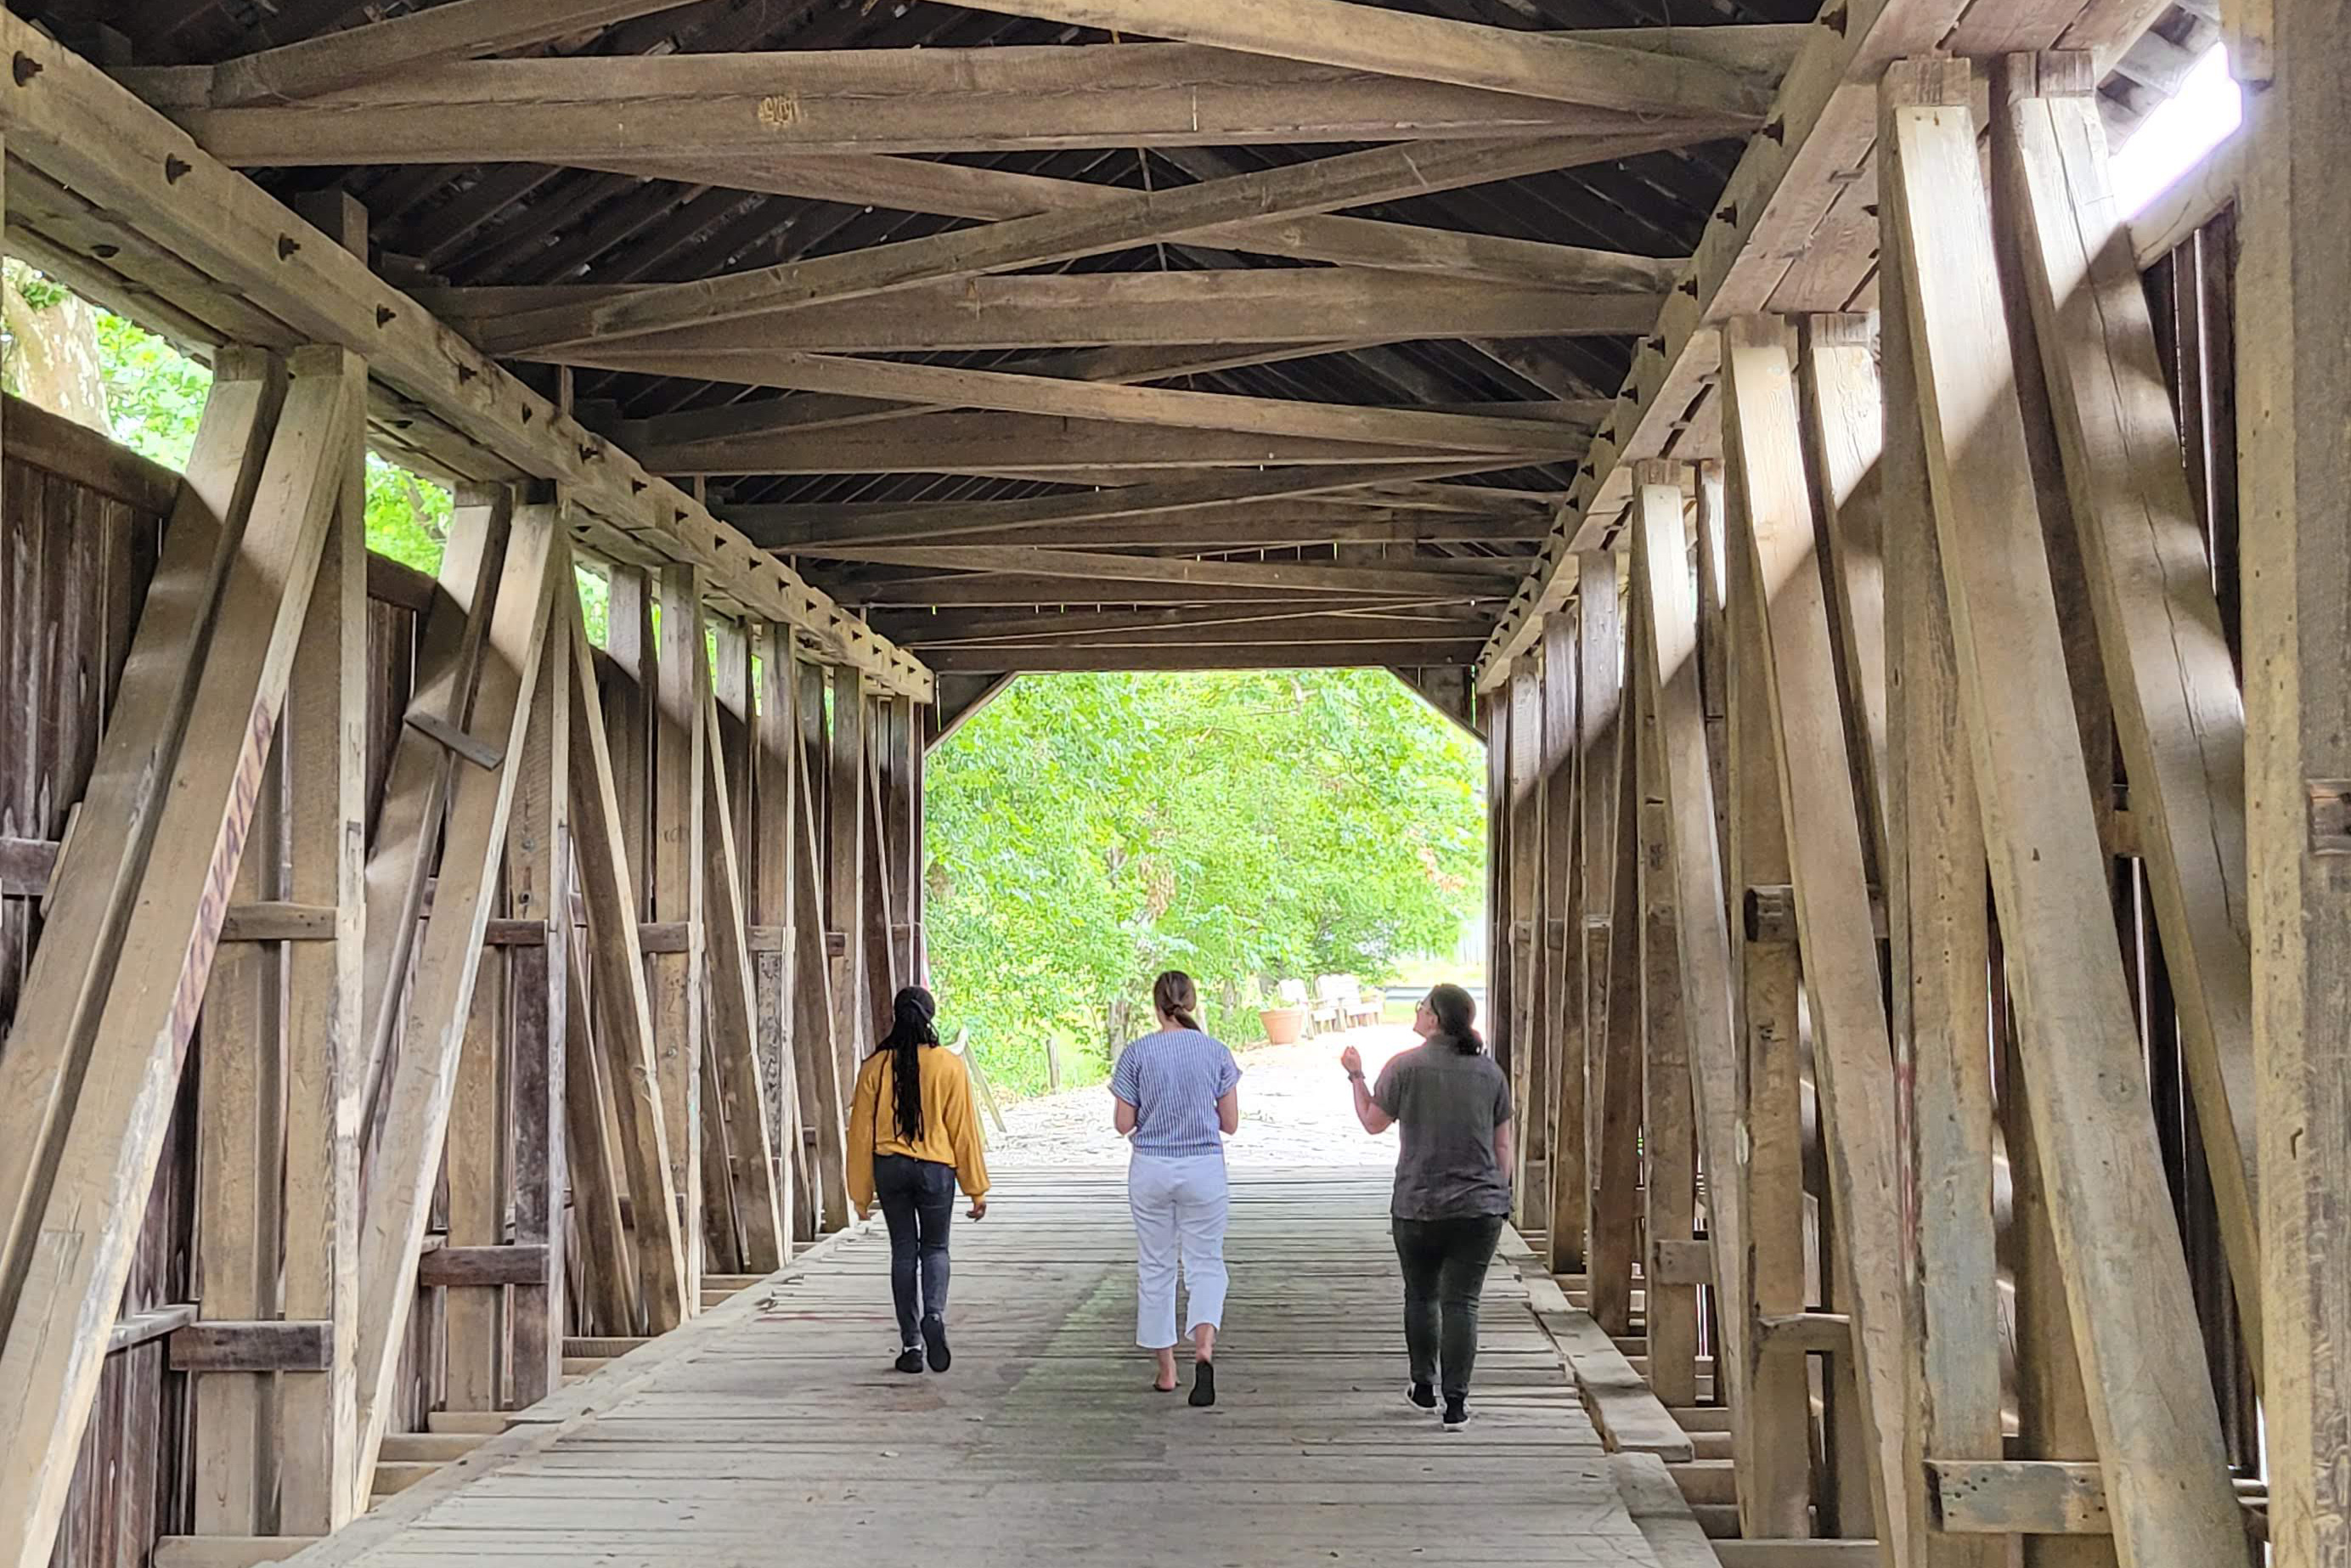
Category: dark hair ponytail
[1175,997]
[1457,1015]
[910,1030]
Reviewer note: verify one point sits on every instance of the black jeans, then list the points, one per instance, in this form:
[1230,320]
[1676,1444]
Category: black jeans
[917,1201]
[1445,1265]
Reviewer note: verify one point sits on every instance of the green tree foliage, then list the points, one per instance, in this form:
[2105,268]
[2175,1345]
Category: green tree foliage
[1087,830]
[155,395]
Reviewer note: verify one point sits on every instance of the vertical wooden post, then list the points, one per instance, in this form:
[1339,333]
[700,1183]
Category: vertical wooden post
[238,1133]
[1516,1032]
[1563,985]
[2160,1453]
[474,1165]
[818,1056]
[844,887]
[681,684]
[1772,516]
[325,750]
[775,842]
[2297,470]
[1613,1247]
[1599,685]
[1668,1144]
[539,886]
[1936,898]
[1773,1429]
[629,642]
[882,975]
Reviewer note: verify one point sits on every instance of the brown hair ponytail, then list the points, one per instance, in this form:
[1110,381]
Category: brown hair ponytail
[1177,997]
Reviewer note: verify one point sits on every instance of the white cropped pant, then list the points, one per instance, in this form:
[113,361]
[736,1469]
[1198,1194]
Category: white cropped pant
[1179,1204]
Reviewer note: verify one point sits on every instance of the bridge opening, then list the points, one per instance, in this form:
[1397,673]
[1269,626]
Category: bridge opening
[1307,844]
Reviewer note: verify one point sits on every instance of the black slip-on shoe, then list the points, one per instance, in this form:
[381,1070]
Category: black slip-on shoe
[1204,1384]
[910,1359]
[935,1341]
[1422,1394]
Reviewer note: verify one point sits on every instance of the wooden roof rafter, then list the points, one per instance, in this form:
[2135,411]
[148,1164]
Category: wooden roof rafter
[244,266]
[1814,166]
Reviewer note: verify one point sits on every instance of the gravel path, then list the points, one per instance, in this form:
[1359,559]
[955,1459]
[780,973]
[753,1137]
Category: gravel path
[1295,1111]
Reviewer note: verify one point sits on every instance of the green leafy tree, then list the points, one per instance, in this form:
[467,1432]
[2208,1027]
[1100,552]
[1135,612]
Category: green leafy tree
[1086,832]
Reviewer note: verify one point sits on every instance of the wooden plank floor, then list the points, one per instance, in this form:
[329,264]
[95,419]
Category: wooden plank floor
[785,1437]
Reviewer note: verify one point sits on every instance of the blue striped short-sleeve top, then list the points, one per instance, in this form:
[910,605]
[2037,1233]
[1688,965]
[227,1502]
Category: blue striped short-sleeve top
[1173,1079]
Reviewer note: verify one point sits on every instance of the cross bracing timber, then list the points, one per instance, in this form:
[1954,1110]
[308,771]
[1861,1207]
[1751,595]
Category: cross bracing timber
[884,102]
[1778,198]
[1321,305]
[296,286]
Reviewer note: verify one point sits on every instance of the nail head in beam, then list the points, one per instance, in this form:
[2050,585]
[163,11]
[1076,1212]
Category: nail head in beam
[272,1345]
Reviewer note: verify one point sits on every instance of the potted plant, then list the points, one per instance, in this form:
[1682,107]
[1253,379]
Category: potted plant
[1283,1020]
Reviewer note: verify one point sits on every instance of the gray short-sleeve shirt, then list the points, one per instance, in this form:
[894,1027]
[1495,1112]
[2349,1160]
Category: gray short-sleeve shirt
[1447,1106]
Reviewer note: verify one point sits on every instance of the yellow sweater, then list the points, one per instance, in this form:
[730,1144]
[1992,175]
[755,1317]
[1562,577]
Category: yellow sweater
[950,1130]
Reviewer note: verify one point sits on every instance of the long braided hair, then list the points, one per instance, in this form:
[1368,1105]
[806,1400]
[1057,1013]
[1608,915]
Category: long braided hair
[911,1012]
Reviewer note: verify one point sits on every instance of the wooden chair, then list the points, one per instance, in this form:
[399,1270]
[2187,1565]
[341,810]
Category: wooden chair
[1330,1007]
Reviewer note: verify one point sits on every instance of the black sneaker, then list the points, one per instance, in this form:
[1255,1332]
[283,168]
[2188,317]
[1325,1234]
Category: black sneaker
[1422,1394]
[910,1359]
[1204,1384]
[1457,1414]
[935,1340]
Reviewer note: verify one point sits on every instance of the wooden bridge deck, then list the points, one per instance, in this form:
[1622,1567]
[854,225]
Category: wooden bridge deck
[774,1429]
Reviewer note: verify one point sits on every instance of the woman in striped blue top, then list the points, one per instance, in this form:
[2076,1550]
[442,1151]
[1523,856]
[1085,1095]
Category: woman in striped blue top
[1177,1093]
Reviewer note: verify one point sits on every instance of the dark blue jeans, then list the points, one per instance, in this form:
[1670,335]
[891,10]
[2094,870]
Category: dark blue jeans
[1444,1276]
[917,1201]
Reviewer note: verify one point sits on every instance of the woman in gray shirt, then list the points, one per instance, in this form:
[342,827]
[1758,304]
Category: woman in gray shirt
[1452,1184]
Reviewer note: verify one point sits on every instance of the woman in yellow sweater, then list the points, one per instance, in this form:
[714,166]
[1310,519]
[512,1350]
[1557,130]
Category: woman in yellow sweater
[912,1157]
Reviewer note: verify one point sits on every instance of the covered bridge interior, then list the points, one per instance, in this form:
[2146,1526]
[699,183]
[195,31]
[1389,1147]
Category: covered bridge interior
[1920,745]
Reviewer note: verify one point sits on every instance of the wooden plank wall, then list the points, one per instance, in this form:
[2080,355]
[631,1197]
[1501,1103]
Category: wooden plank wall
[80,523]
[1817,589]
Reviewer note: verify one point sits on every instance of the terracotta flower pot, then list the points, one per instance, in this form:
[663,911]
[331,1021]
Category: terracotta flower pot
[1282,1025]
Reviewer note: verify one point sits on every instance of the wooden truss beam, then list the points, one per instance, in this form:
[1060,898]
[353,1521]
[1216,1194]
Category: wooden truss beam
[1266,417]
[461,30]
[238,251]
[1150,309]
[859,101]
[1768,244]
[1265,632]
[2292,338]
[800,415]
[1165,502]
[1074,450]
[1233,525]
[91,1137]
[1460,577]
[1561,67]
[2125,1280]
[2177,713]
[1772,514]
[1349,179]
[441,990]
[629,1066]
[1287,655]
[964,191]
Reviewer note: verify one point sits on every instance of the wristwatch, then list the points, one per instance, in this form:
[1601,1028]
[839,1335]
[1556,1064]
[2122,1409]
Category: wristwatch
[1356,1076]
